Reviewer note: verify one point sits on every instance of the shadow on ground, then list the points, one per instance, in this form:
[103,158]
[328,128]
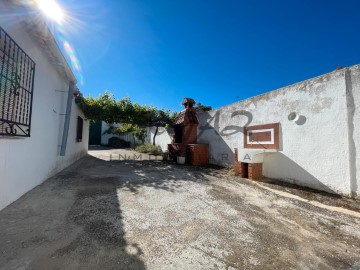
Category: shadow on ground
[100,214]
[74,220]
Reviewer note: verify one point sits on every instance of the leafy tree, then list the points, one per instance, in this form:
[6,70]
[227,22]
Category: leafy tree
[106,108]
[133,116]
[204,108]
[140,134]
[160,119]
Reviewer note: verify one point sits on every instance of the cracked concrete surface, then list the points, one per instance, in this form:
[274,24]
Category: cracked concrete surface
[101,214]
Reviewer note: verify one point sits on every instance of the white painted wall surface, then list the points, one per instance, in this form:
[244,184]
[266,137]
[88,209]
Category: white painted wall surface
[105,137]
[163,137]
[354,127]
[314,152]
[27,162]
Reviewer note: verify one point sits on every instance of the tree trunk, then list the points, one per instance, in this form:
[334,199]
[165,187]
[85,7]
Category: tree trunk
[133,138]
[156,131]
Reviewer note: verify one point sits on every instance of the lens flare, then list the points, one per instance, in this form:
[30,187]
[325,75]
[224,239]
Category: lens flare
[70,53]
[59,19]
[51,9]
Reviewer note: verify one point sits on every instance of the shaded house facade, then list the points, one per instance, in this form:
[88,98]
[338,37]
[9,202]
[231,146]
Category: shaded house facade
[42,130]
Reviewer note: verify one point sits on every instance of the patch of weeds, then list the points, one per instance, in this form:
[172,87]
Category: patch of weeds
[149,149]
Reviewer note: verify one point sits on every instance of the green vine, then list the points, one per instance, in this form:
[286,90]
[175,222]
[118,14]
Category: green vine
[133,116]
[106,108]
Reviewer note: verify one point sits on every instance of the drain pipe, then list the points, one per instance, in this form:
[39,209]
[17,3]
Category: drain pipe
[67,118]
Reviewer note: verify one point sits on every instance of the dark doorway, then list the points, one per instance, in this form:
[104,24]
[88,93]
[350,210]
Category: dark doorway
[178,133]
[95,133]
[245,167]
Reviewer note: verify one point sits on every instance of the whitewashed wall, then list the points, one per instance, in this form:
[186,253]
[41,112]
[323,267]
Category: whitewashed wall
[321,150]
[163,137]
[353,91]
[129,137]
[27,162]
[315,151]
[105,137]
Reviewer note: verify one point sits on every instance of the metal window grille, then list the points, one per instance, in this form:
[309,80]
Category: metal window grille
[17,72]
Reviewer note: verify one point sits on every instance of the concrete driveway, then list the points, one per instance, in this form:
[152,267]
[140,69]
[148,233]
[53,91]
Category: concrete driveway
[101,214]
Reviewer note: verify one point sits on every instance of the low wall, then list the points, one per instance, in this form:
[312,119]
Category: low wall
[129,137]
[163,137]
[320,150]
[314,150]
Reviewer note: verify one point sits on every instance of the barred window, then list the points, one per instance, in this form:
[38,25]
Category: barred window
[17,72]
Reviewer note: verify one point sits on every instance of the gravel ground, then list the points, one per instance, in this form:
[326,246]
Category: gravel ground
[102,214]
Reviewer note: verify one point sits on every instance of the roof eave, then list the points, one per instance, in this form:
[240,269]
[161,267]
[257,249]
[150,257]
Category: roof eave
[37,28]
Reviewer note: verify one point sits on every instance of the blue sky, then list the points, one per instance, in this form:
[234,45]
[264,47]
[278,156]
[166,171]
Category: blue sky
[218,52]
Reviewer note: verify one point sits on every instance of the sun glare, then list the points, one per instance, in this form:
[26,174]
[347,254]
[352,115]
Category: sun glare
[51,9]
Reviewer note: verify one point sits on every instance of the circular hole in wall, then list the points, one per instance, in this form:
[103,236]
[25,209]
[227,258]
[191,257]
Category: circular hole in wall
[293,117]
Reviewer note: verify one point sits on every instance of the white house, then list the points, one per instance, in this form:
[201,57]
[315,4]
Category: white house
[42,130]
